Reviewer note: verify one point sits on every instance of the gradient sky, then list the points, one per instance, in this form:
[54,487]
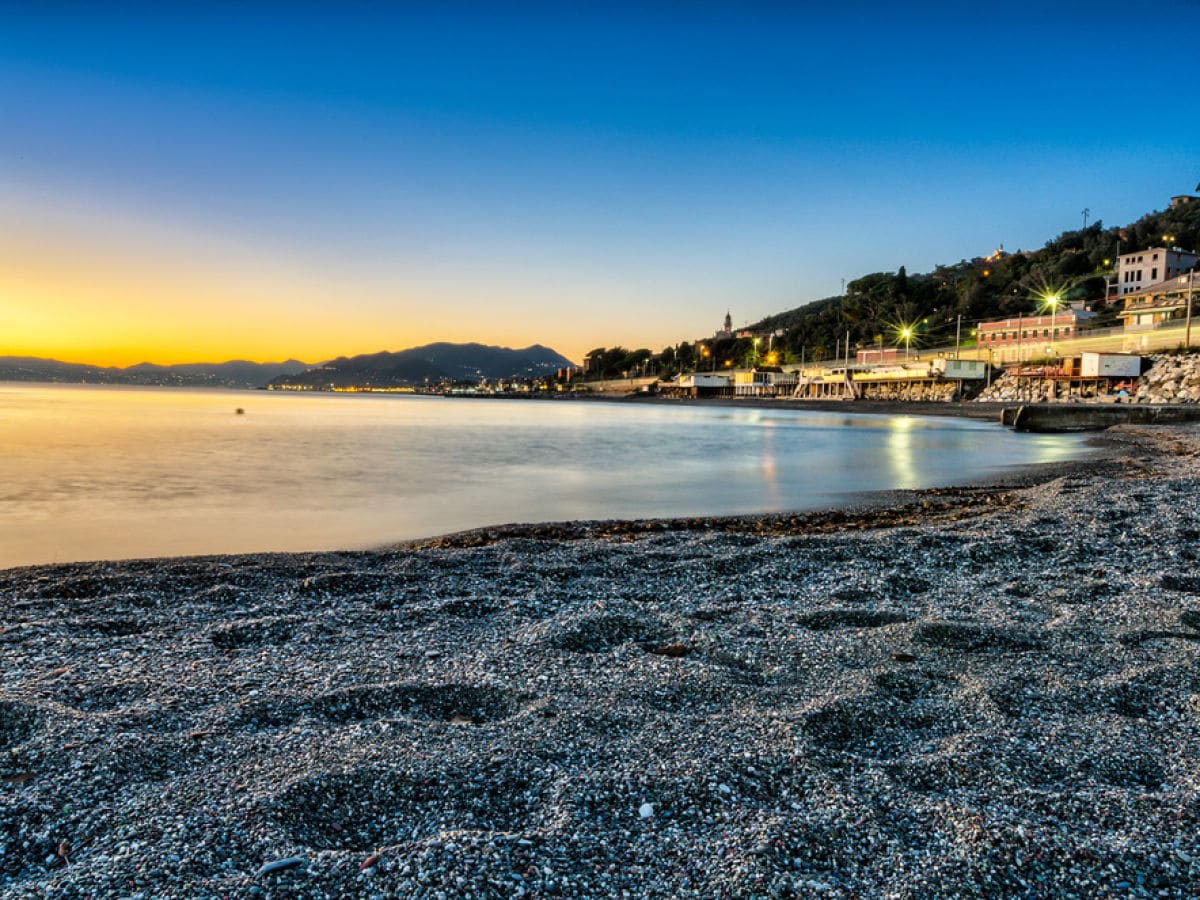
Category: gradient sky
[240,182]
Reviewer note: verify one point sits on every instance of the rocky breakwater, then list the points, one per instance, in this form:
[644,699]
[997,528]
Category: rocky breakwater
[987,692]
[1006,388]
[1173,378]
[919,391]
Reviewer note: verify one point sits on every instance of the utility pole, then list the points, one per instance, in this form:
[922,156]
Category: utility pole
[957,335]
[1020,324]
[847,349]
[1187,329]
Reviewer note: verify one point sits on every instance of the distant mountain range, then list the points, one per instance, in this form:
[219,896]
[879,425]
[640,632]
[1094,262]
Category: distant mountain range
[235,374]
[428,364]
[431,363]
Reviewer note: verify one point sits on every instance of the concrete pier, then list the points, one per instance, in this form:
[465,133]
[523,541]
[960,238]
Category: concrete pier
[1051,418]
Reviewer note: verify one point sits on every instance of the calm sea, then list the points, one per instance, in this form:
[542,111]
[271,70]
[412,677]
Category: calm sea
[109,472]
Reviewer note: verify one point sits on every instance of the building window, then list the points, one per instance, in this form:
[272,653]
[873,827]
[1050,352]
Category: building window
[1154,274]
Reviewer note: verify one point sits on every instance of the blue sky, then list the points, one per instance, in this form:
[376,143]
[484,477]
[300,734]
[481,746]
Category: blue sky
[247,182]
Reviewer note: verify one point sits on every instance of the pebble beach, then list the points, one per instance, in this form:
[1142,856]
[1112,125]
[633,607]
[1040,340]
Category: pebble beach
[986,691]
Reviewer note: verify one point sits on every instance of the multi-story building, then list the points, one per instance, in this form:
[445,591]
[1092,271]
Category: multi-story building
[1139,270]
[1160,302]
[1063,325]
[878,355]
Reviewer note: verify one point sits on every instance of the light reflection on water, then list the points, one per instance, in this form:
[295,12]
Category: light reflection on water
[103,472]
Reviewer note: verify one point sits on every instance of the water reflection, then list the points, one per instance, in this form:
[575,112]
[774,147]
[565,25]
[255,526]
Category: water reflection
[768,468]
[900,453]
[120,472]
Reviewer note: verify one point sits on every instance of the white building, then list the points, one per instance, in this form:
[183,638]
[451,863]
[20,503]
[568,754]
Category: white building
[1142,268]
[765,381]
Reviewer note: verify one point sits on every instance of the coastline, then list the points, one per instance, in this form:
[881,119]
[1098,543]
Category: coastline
[968,409]
[986,689]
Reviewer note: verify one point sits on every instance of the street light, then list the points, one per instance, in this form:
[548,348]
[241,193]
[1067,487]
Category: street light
[907,332]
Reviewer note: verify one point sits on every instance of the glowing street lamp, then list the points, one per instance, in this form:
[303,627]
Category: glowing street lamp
[1050,301]
[906,332]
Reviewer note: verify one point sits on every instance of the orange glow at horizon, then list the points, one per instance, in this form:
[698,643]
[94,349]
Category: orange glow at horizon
[110,287]
[98,308]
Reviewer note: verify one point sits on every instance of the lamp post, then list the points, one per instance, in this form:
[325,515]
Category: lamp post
[1187,328]
[1052,302]
[906,333]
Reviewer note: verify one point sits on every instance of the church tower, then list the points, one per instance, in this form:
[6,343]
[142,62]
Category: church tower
[728,323]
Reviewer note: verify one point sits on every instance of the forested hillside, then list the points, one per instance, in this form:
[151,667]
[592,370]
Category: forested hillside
[878,306]
[1072,266]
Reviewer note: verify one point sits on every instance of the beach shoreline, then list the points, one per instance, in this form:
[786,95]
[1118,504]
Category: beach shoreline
[990,689]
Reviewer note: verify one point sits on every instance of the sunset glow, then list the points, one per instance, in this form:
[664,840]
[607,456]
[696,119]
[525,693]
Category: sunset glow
[182,187]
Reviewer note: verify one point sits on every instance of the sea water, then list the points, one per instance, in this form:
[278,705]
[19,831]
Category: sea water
[100,472]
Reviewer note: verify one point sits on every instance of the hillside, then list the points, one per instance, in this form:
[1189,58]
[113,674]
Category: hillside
[1073,266]
[937,306]
[233,374]
[428,364]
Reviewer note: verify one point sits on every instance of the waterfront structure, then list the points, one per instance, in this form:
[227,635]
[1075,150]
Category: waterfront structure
[1142,269]
[763,381]
[1159,303]
[1011,332]
[699,385]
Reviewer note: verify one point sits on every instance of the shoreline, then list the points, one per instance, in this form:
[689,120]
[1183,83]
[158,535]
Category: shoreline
[965,409]
[865,509]
[990,690]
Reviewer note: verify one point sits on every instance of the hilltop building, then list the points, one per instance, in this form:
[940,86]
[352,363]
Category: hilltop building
[1140,269]
[726,331]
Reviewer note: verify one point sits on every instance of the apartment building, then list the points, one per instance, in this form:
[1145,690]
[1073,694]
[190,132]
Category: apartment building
[1138,270]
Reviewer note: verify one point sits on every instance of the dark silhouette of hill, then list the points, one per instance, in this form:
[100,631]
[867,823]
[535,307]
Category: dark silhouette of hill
[235,373]
[428,364]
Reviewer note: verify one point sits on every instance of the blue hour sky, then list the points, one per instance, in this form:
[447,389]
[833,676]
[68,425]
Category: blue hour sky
[246,182]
